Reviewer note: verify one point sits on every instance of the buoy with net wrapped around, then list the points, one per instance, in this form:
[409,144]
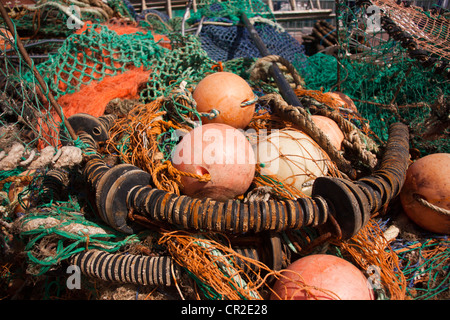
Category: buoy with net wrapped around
[227,98]
[217,160]
[425,193]
[293,158]
[322,277]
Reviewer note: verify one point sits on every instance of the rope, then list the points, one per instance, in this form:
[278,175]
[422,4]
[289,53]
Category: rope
[175,175]
[64,226]
[213,264]
[211,115]
[25,179]
[429,205]
[302,119]
[354,139]
[261,67]
[153,14]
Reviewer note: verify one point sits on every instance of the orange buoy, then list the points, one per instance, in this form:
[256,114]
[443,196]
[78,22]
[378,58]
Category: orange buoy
[425,195]
[217,150]
[342,99]
[331,129]
[227,94]
[322,277]
[6,38]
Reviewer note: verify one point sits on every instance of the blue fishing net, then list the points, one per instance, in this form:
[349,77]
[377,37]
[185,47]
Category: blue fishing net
[223,43]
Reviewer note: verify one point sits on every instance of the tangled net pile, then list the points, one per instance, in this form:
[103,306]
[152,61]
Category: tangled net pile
[136,74]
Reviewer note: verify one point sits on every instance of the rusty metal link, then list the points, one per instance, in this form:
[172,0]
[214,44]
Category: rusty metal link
[128,268]
[354,202]
[97,128]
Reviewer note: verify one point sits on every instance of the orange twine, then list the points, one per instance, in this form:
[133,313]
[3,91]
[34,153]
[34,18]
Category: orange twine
[319,96]
[218,66]
[370,250]
[142,127]
[213,262]
[176,174]
[267,121]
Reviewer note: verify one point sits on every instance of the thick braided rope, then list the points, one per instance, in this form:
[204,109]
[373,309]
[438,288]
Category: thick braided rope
[261,67]
[429,205]
[301,118]
[353,139]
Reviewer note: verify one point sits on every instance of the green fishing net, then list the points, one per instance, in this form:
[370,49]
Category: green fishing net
[94,54]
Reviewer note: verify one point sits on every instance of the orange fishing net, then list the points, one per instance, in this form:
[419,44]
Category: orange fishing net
[126,27]
[371,252]
[141,131]
[118,26]
[211,259]
[92,99]
[99,73]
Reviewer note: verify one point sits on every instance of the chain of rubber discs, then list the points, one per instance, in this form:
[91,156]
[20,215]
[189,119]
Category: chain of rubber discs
[126,200]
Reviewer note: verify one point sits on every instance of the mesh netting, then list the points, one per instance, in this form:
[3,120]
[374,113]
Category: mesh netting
[371,88]
[386,83]
[224,37]
[431,30]
[47,17]
[225,43]
[94,52]
[232,9]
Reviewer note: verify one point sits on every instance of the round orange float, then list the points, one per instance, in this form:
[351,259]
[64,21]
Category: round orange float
[427,185]
[322,277]
[331,129]
[292,157]
[227,94]
[342,99]
[221,151]
[6,37]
